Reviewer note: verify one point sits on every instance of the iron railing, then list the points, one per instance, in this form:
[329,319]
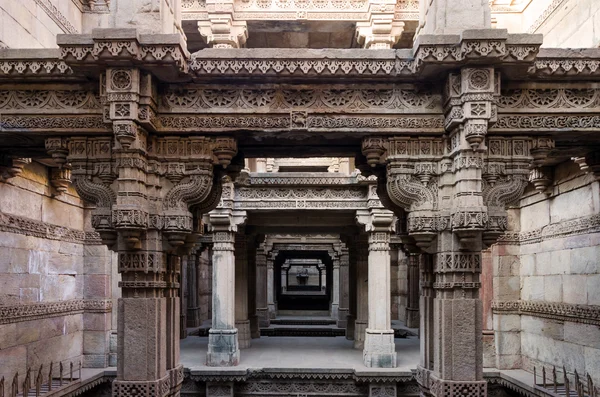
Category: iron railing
[550,384]
[43,382]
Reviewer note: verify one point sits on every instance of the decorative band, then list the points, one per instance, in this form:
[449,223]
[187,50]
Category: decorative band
[587,314]
[35,311]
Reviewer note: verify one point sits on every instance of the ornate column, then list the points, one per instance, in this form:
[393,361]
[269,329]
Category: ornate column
[271,304]
[379,349]
[262,307]
[412,307]
[242,323]
[362,291]
[223,346]
[455,190]
[143,187]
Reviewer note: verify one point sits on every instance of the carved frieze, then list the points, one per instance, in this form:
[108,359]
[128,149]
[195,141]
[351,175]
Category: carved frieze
[587,314]
[35,311]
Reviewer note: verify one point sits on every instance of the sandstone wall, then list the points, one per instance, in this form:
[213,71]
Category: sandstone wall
[564,23]
[35,23]
[55,278]
[547,286]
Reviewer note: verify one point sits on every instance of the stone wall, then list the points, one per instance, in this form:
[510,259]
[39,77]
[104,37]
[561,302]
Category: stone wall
[564,23]
[55,278]
[547,279]
[35,23]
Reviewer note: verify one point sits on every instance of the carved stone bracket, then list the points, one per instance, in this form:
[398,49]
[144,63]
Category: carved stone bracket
[10,167]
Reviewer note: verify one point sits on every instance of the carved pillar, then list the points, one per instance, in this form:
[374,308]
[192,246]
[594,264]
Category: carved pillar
[252,315]
[271,304]
[412,307]
[335,291]
[379,349]
[455,191]
[184,292]
[193,298]
[242,323]
[223,346]
[262,285]
[362,291]
[344,285]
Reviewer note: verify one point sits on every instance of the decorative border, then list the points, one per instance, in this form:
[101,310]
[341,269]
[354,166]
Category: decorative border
[29,227]
[58,18]
[36,311]
[583,225]
[545,15]
[586,314]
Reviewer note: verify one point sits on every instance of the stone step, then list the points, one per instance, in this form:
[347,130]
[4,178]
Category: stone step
[307,321]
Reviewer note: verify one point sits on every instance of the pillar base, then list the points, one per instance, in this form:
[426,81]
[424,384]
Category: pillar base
[452,388]
[272,311]
[254,327]
[342,321]
[263,317]
[380,350]
[334,310]
[223,348]
[244,336]
[360,328]
[193,317]
[413,320]
[149,388]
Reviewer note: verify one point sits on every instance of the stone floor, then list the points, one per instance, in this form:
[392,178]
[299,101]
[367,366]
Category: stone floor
[299,352]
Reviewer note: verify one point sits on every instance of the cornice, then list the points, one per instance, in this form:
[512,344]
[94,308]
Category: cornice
[586,314]
[35,311]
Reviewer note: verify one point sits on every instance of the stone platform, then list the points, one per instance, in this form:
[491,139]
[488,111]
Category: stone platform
[299,353]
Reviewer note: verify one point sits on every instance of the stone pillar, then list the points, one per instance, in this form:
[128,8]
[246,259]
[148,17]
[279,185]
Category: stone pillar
[252,315]
[362,292]
[335,290]
[379,350]
[426,332]
[412,307]
[262,307]
[271,284]
[344,285]
[193,278]
[455,191]
[205,283]
[261,165]
[184,292]
[223,346]
[394,281]
[242,323]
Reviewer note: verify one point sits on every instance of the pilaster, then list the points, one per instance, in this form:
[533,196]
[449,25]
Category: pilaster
[271,304]
[362,291]
[344,284]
